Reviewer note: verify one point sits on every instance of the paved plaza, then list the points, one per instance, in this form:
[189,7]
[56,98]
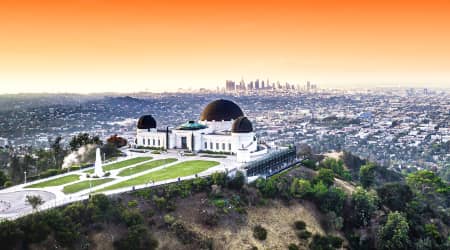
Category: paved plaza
[13,200]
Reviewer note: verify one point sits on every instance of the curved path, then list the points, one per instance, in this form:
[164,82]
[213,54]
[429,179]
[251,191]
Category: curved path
[13,200]
[13,203]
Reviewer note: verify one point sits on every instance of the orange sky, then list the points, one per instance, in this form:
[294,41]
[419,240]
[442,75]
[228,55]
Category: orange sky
[133,45]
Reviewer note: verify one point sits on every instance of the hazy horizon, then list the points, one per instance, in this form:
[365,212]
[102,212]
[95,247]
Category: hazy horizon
[81,46]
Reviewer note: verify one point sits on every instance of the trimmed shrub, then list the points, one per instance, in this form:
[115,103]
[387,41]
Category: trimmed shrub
[304,234]
[169,219]
[259,232]
[237,181]
[132,218]
[292,246]
[7,184]
[325,242]
[49,172]
[209,218]
[299,225]
[132,203]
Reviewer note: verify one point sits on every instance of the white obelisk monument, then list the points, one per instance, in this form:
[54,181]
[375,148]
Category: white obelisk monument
[98,170]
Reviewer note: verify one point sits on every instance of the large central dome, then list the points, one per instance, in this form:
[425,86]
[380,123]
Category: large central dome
[221,110]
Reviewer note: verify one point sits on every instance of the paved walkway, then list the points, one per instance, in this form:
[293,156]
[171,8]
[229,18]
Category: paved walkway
[12,200]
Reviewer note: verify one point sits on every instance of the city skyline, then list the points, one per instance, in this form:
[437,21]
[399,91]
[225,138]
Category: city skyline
[85,46]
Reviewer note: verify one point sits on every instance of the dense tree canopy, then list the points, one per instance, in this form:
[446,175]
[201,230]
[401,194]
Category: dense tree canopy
[393,235]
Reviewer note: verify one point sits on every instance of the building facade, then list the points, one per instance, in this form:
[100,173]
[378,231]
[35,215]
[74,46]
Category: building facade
[222,128]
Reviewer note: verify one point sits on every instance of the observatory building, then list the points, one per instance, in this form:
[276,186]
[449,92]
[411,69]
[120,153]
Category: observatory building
[222,128]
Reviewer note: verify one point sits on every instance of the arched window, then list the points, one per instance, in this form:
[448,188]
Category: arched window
[148,142]
[217,146]
[229,146]
[159,142]
[153,142]
[143,141]
[211,145]
[206,145]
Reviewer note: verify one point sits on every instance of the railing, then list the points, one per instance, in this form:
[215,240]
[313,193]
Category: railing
[273,162]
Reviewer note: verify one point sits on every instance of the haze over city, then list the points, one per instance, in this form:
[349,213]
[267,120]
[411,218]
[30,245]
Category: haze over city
[129,46]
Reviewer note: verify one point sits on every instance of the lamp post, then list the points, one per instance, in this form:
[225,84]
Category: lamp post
[25,174]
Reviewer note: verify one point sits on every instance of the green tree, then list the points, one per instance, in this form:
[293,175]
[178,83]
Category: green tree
[393,235]
[328,199]
[301,188]
[267,187]
[34,201]
[3,178]
[259,232]
[364,205]
[326,176]
[238,181]
[336,165]
[137,237]
[10,234]
[219,178]
[367,175]
[110,150]
[15,168]
[58,151]
[425,181]
[395,195]
[99,207]
[83,139]
[44,160]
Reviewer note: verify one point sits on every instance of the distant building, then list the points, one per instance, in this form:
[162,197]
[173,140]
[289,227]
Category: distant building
[3,142]
[230,85]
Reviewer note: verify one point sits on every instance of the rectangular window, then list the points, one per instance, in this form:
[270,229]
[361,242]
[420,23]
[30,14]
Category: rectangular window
[148,142]
[159,142]
[143,141]
[223,146]
[217,146]
[153,142]
[211,145]
[229,146]
[206,145]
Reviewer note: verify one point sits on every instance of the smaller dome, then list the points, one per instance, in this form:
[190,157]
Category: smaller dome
[242,125]
[146,122]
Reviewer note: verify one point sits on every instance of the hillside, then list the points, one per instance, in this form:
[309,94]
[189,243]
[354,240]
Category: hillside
[302,208]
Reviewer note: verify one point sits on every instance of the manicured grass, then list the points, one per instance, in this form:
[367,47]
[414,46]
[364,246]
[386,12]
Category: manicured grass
[178,170]
[56,182]
[121,164]
[76,187]
[146,166]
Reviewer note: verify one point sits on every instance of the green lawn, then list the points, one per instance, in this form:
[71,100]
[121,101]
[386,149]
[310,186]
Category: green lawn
[73,188]
[178,170]
[146,166]
[56,182]
[121,164]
